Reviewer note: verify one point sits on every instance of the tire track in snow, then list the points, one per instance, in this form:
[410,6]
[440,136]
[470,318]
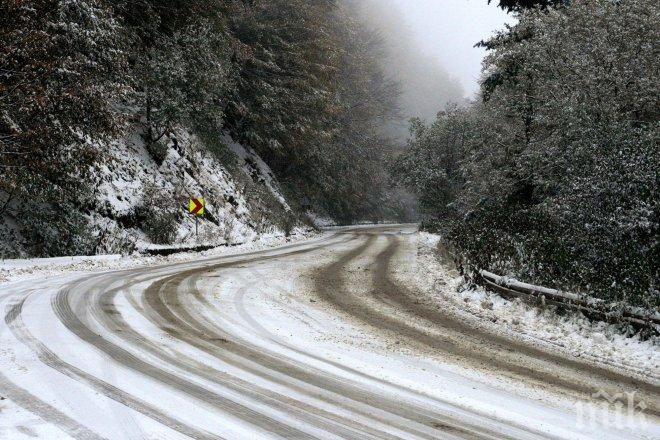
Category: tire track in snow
[15,323]
[33,404]
[308,413]
[310,396]
[460,340]
[163,300]
[548,367]
[197,392]
[172,318]
[63,309]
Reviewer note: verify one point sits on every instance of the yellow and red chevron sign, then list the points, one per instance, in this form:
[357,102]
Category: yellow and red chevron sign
[196,206]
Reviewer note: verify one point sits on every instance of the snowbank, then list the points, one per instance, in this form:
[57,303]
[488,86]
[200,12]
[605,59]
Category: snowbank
[187,170]
[572,334]
[38,268]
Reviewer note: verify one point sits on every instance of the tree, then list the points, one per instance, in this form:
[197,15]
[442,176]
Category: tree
[556,180]
[184,79]
[298,81]
[283,93]
[59,67]
[521,5]
[311,96]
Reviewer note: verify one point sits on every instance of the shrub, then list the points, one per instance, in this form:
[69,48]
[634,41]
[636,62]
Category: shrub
[161,211]
[158,150]
[552,177]
[52,230]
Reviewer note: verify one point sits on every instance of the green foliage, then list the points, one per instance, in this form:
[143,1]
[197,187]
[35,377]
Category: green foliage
[158,150]
[58,71]
[310,98]
[161,214]
[283,88]
[183,79]
[298,81]
[160,227]
[217,147]
[553,177]
[55,230]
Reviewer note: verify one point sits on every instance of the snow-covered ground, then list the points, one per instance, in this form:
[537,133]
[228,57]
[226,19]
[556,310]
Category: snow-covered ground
[572,333]
[228,345]
[31,268]
[188,170]
[255,167]
[243,199]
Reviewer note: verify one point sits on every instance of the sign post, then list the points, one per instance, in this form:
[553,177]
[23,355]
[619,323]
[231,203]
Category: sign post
[196,207]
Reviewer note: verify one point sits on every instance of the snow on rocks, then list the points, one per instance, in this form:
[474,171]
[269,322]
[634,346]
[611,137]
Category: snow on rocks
[255,167]
[188,169]
[572,333]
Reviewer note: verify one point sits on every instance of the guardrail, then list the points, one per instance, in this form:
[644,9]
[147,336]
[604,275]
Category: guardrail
[590,306]
[169,250]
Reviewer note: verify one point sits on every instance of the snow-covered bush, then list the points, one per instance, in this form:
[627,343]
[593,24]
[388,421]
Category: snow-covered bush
[158,150]
[161,211]
[54,230]
[552,178]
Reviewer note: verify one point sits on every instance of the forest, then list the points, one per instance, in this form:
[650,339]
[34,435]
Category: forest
[299,82]
[549,174]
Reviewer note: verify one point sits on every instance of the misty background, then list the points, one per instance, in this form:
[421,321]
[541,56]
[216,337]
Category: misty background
[429,49]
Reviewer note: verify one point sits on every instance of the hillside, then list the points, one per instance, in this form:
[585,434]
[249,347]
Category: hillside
[140,197]
[135,103]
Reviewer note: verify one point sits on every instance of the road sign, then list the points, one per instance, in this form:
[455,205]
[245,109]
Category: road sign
[196,206]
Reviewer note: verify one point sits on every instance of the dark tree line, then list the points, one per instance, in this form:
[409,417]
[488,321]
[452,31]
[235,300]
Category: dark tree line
[296,80]
[58,75]
[521,5]
[552,175]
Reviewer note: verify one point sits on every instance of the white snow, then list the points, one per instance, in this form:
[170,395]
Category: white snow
[253,165]
[33,263]
[278,316]
[321,221]
[188,170]
[38,268]
[264,305]
[17,423]
[243,199]
[572,333]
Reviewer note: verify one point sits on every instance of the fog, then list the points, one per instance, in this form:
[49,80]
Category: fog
[429,47]
[447,30]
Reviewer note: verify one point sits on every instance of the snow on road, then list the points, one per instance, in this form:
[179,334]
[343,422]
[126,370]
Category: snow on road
[285,342]
[31,268]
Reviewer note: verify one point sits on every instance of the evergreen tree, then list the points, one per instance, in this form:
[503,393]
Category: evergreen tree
[521,5]
[556,180]
[59,79]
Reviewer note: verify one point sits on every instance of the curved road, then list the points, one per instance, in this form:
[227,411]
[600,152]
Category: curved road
[312,340]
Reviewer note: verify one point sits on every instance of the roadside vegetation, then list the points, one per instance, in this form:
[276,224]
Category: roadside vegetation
[300,82]
[550,175]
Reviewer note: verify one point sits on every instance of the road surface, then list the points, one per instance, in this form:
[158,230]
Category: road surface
[318,339]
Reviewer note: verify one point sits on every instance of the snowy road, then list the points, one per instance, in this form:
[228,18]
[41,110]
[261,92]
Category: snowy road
[311,340]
